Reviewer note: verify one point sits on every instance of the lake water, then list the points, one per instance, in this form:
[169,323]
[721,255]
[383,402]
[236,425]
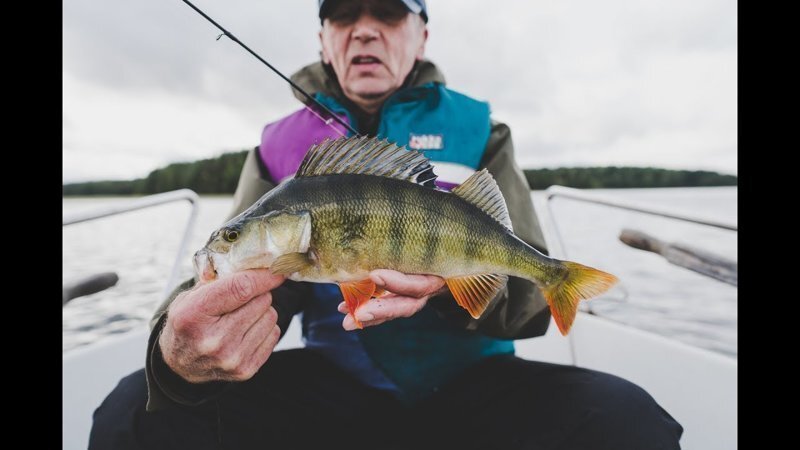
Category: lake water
[653,294]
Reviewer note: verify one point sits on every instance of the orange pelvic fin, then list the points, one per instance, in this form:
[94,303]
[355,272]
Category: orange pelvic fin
[581,282]
[474,292]
[355,294]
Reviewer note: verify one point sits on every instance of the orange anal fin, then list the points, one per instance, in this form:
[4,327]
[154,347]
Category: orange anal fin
[475,292]
[379,292]
[355,294]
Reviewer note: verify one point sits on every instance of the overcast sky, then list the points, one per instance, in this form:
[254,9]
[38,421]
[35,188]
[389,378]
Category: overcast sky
[580,82]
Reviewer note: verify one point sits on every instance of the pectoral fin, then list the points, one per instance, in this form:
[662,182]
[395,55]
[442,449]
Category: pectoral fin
[290,263]
[474,292]
[355,294]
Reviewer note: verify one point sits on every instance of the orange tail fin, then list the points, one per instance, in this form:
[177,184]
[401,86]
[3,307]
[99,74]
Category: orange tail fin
[582,282]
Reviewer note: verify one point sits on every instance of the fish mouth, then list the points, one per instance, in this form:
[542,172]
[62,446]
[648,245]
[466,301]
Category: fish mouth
[204,267]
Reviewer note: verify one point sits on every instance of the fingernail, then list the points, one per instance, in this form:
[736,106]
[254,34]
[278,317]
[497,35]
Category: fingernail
[342,307]
[377,279]
[348,325]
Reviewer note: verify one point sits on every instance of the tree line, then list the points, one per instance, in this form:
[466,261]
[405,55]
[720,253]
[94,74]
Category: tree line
[207,176]
[221,174]
[624,177]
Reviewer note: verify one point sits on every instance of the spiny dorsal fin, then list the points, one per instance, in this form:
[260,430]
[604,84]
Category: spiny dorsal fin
[367,156]
[481,190]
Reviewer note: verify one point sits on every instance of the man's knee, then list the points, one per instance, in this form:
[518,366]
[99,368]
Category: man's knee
[625,416]
[113,420]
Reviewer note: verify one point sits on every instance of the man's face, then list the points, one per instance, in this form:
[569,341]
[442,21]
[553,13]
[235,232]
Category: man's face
[372,46]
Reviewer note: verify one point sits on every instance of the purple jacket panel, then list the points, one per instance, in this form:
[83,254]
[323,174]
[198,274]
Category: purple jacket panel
[446,185]
[284,143]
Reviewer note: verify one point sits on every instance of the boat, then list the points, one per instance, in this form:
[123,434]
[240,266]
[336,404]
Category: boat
[697,386]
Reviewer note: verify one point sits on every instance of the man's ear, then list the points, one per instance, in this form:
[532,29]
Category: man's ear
[323,53]
[421,49]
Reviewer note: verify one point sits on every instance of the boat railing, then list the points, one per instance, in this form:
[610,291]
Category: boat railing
[555,241]
[552,234]
[148,202]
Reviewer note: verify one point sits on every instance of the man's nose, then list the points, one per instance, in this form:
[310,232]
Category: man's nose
[366,28]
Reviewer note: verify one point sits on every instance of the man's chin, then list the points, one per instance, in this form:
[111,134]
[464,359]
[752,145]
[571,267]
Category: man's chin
[372,95]
[370,90]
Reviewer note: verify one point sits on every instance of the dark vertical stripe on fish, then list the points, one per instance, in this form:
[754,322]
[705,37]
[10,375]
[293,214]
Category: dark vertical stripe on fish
[355,220]
[431,235]
[397,230]
[512,256]
[470,245]
[343,219]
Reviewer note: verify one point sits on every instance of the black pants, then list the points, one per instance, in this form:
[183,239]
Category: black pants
[300,400]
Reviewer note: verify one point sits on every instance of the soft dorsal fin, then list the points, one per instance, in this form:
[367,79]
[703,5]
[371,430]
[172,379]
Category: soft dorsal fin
[481,190]
[367,156]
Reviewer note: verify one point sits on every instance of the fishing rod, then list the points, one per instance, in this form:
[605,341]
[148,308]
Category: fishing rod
[292,83]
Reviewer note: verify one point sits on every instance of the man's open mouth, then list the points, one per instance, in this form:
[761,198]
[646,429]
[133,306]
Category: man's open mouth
[365,60]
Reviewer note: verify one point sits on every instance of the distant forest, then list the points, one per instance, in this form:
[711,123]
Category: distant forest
[221,174]
[624,177]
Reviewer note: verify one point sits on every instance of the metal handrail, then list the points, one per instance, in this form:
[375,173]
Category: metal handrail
[580,195]
[146,202]
[577,194]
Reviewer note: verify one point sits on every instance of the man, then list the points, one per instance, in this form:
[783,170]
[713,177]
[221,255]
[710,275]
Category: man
[422,373]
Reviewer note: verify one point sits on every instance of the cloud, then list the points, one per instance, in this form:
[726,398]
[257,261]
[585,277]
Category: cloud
[584,83]
[580,83]
[166,47]
[124,133]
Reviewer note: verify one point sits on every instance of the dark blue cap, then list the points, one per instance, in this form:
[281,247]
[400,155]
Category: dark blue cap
[415,6]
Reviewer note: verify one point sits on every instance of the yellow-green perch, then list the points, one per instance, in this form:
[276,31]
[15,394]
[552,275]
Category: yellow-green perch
[358,204]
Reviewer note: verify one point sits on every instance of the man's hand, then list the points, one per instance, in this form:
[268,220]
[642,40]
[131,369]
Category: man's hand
[405,296]
[223,330]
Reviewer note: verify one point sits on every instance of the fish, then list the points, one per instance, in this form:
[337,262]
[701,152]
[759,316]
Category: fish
[358,204]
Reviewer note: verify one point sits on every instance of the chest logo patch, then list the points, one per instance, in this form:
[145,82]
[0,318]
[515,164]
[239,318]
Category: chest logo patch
[426,141]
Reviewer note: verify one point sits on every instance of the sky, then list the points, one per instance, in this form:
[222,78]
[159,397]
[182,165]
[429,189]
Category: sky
[580,82]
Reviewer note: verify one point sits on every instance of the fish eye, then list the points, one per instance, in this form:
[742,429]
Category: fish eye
[231,235]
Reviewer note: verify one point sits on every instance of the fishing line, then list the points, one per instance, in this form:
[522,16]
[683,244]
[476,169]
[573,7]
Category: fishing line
[292,83]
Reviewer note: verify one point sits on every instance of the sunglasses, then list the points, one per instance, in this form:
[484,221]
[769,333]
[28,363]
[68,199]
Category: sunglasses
[345,12]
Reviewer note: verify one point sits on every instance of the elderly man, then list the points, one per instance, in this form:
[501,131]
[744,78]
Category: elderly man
[429,376]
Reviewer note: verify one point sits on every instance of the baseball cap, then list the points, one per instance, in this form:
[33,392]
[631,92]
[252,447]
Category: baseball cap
[415,6]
